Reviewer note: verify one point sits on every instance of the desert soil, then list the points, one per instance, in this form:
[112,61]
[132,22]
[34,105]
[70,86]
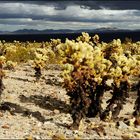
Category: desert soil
[40,110]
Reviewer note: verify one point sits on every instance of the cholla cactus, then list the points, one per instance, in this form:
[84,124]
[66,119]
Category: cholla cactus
[40,60]
[38,65]
[122,68]
[86,71]
[1,77]
[2,59]
[84,38]
[10,65]
[137,103]
[84,76]
[96,39]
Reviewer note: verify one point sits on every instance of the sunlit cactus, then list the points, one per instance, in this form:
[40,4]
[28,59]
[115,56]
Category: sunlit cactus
[84,38]
[86,70]
[96,39]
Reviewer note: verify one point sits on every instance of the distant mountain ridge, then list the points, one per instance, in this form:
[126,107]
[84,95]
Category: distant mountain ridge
[52,31]
[33,31]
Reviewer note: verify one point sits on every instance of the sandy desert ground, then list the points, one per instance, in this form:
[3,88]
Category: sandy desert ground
[40,110]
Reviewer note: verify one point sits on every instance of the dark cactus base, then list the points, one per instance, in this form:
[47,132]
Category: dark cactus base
[37,73]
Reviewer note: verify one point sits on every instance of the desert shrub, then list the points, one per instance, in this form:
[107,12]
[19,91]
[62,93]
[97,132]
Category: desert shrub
[18,53]
[10,65]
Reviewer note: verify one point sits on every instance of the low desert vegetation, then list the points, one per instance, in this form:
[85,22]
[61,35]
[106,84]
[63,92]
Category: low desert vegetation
[88,65]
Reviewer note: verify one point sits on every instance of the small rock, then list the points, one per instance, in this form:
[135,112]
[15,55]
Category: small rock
[6,126]
[75,131]
[56,111]
[77,137]
[51,75]
[137,121]
[39,124]
[92,125]
[100,130]
[1,114]
[121,125]
[82,126]
[130,122]
[37,137]
[47,123]
[112,124]
[58,136]
[29,137]
[137,135]
[127,136]
[138,128]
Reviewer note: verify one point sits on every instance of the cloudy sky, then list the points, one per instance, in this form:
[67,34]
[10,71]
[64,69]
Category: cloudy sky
[66,14]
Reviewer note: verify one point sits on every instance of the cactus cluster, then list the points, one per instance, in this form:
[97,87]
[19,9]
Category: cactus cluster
[88,65]
[41,54]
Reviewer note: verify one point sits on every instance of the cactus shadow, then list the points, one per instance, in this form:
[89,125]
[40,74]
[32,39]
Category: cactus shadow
[15,108]
[46,102]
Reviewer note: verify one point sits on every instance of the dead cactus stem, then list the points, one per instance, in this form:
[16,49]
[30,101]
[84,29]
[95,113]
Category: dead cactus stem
[80,103]
[1,79]
[119,96]
[96,98]
[137,102]
[86,99]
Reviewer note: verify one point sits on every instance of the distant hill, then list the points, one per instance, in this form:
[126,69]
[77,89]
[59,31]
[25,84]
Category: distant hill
[51,31]
[4,32]
[47,31]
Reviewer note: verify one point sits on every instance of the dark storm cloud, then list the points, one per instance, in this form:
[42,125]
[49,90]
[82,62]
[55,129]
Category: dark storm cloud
[116,5]
[111,4]
[51,11]
[90,4]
